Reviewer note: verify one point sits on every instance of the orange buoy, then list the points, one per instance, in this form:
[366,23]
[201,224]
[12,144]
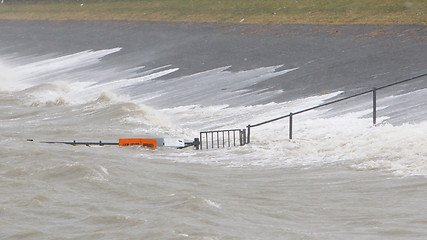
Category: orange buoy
[152,143]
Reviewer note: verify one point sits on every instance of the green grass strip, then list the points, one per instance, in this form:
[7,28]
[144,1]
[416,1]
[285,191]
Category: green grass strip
[225,11]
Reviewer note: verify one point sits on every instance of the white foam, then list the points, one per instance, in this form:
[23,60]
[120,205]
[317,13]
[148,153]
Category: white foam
[68,79]
[85,83]
[211,203]
[149,116]
[400,150]
[54,66]
[347,138]
[216,86]
[325,136]
[8,78]
[114,85]
[22,76]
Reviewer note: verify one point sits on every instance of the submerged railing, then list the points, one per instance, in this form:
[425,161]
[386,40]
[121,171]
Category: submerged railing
[222,138]
[245,136]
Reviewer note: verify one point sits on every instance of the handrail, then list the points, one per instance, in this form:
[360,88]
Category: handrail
[225,130]
[311,108]
[338,100]
[244,135]
[290,115]
[402,81]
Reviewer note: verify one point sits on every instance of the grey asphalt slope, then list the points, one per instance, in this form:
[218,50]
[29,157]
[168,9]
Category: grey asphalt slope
[329,58]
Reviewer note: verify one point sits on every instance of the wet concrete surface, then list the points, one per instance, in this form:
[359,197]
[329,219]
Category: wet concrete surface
[328,58]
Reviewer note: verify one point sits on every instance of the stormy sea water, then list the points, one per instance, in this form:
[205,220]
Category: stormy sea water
[338,178]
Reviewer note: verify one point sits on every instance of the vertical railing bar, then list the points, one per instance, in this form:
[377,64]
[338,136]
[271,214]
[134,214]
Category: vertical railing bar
[201,141]
[244,136]
[234,137]
[207,141]
[249,133]
[223,139]
[212,135]
[217,139]
[290,125]
[374,106]
[228,138]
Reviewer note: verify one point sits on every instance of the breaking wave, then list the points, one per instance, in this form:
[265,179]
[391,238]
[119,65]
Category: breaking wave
[123,100]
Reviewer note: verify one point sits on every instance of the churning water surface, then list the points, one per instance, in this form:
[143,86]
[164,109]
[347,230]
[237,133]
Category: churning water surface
[338,178]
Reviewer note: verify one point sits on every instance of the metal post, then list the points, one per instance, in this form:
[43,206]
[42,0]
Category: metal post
[290,125]
[249,133]
[228,138]
[217,139]
[197,143]
[374,106]
[244,136]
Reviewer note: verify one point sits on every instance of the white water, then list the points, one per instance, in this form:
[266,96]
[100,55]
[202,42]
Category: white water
[334,148]
[321,137]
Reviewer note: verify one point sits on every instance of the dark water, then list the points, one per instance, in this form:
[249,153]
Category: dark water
[339,178]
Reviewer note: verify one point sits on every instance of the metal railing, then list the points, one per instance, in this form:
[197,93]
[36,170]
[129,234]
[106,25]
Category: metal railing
[223,138]
[374,106]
